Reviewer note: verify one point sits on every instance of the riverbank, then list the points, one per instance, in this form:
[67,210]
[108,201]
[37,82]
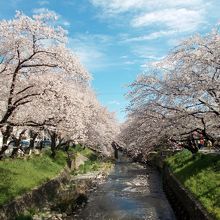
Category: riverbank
[131,191]
[72,197]
[21,175]
[29,185]
[200,176]
[190,182]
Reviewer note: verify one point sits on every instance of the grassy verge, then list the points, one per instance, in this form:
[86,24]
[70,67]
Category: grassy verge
[201,176]
[90,166]
[94,163]
[91,155]
[19,175]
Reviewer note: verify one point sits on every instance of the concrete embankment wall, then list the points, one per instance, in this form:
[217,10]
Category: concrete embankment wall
[185,206]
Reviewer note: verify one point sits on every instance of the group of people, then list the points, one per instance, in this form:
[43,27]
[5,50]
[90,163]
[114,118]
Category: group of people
[194,142]
[200,141]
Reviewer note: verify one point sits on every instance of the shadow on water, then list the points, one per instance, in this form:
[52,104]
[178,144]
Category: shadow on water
[131,192]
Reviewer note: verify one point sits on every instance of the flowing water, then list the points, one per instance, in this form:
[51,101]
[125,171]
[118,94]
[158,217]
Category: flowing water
[131,192]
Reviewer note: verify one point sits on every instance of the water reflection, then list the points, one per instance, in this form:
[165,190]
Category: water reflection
[131,192]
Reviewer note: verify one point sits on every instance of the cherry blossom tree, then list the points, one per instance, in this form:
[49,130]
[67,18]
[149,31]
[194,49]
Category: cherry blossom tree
[45,88]
[29,49]
[177,97]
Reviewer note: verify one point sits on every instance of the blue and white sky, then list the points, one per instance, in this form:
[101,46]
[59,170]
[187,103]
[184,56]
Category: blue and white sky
[115,39]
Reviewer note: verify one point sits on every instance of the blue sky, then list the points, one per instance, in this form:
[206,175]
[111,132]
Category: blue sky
[116,39]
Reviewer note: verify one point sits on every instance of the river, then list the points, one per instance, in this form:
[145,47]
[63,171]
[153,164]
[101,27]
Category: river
[131,192]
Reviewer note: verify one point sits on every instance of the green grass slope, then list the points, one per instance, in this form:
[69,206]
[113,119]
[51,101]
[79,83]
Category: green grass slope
[18,175]
[201,176]
[94,163]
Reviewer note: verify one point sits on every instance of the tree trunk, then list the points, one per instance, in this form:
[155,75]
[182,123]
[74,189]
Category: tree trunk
[2,151]
[53,137]
[17,144]
[33,136]
[115,147]
[60,140]
[6,133]
[16,147]
[191,145]
[41,145]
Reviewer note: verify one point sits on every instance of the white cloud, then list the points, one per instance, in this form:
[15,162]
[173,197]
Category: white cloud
[146,52]
[175,19]
[94,38]
[183,15]
[60,20]
[124,57]
[151,36]
[64,22]
[41,10]
[151,61]
[114,102]
[90,56]
[85,48]
[93,51]
[43,2]
[128,62]
[118,6]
